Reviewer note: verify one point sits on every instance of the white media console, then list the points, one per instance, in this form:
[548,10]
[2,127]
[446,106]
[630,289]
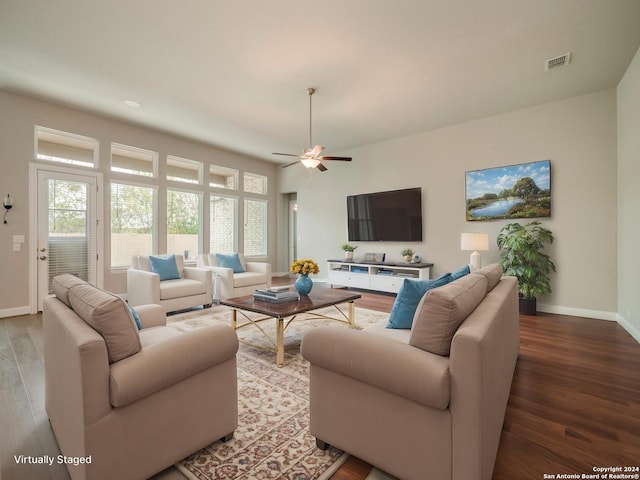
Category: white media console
[381,276]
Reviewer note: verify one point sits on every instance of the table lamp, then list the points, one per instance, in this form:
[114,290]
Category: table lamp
[474,242]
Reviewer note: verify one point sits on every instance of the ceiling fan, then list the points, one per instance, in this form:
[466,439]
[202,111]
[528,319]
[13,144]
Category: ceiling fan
[311,157]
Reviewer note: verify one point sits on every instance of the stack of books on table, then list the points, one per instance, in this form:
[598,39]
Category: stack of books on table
[276,295]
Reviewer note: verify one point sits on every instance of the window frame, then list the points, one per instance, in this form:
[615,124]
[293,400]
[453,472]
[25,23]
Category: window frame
[154,222]
[175,158]
[256,176]
[234,173]
[134,150]
[72,138]
[236,222]
[265,232]
[200,195]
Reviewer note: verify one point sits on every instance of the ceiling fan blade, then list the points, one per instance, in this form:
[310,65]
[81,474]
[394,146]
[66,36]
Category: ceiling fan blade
[321,167]
[344,159]
[289,164]
[286,154]
[315,151]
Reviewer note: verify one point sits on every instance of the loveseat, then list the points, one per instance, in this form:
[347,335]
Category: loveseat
[235,276]
[426,402]
[132,401]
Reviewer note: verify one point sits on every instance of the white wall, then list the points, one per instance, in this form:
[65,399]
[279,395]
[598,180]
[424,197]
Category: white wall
[628,198]
[19,115]
[578,135]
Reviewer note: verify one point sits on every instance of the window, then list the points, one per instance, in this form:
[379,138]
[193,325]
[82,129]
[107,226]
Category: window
[132,222]
[254,183]
[223,177]
[183,170]
[223,214]
[68,148]
[133,161]
[183,223]
[255,227]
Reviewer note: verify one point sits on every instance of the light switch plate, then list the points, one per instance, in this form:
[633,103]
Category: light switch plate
[16,247]
[18,239]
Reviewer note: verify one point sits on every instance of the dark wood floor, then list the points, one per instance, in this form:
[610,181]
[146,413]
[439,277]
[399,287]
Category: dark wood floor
[574,404]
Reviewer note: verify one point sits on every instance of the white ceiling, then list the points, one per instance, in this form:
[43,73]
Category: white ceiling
[234,73]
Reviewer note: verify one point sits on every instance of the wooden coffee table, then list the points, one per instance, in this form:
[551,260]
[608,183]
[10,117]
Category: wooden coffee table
[285,313]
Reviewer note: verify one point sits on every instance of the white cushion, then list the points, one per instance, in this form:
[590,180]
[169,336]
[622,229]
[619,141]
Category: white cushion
[246,279]
[182,287]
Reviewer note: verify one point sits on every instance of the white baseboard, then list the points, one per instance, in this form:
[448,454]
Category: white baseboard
[597,314]
[14,312]
[632,330]
[578,312]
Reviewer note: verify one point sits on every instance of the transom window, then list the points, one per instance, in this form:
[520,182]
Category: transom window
[254,183]
[223,177]
[63,147]
[133,161]
[184,170]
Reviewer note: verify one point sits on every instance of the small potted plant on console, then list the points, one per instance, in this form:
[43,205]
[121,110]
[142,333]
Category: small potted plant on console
[348,251]
[407,253]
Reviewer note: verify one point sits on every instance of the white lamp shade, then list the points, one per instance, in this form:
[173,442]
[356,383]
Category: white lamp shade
[474,241]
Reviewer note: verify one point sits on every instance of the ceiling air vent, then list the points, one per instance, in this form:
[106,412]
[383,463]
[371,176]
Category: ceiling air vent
[561,61]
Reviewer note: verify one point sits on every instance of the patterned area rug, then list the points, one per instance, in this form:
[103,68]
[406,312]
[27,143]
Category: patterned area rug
[272,440]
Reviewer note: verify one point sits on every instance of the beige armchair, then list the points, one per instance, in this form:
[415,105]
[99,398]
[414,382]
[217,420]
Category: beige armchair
[227,284]
[191,289]
[128,403]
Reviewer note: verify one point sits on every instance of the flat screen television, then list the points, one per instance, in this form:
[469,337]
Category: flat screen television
[392,216]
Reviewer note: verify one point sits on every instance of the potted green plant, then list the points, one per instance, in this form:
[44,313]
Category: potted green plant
[521,255]
[407,253]
[348,251]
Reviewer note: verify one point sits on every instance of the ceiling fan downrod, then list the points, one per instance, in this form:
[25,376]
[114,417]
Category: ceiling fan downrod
[310,92]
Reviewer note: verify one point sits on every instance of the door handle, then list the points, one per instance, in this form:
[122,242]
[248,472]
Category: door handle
[43,249]
[43,257]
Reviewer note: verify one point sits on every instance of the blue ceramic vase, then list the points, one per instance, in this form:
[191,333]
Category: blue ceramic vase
[304,284]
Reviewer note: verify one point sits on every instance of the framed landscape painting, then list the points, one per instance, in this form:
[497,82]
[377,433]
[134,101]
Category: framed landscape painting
[515,191]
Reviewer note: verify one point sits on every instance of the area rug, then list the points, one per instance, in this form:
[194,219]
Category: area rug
[272,440]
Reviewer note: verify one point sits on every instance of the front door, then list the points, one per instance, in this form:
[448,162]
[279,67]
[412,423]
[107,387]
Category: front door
[67,233]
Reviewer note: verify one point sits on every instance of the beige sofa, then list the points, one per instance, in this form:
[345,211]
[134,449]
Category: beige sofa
[384,396]
[131,401]
[226,284]
[192,289]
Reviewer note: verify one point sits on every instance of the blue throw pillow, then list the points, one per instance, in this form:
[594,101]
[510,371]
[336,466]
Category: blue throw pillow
[230,261]
[411,291]
[460,273]
[136,317]
[164,266]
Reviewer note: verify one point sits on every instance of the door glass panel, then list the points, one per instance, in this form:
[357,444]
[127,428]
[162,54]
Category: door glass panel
[68,232]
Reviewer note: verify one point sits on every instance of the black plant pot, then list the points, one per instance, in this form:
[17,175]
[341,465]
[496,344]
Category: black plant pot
[528,306]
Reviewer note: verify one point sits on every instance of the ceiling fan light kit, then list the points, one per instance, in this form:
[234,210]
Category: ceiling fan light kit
[310,162]
[310,157]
